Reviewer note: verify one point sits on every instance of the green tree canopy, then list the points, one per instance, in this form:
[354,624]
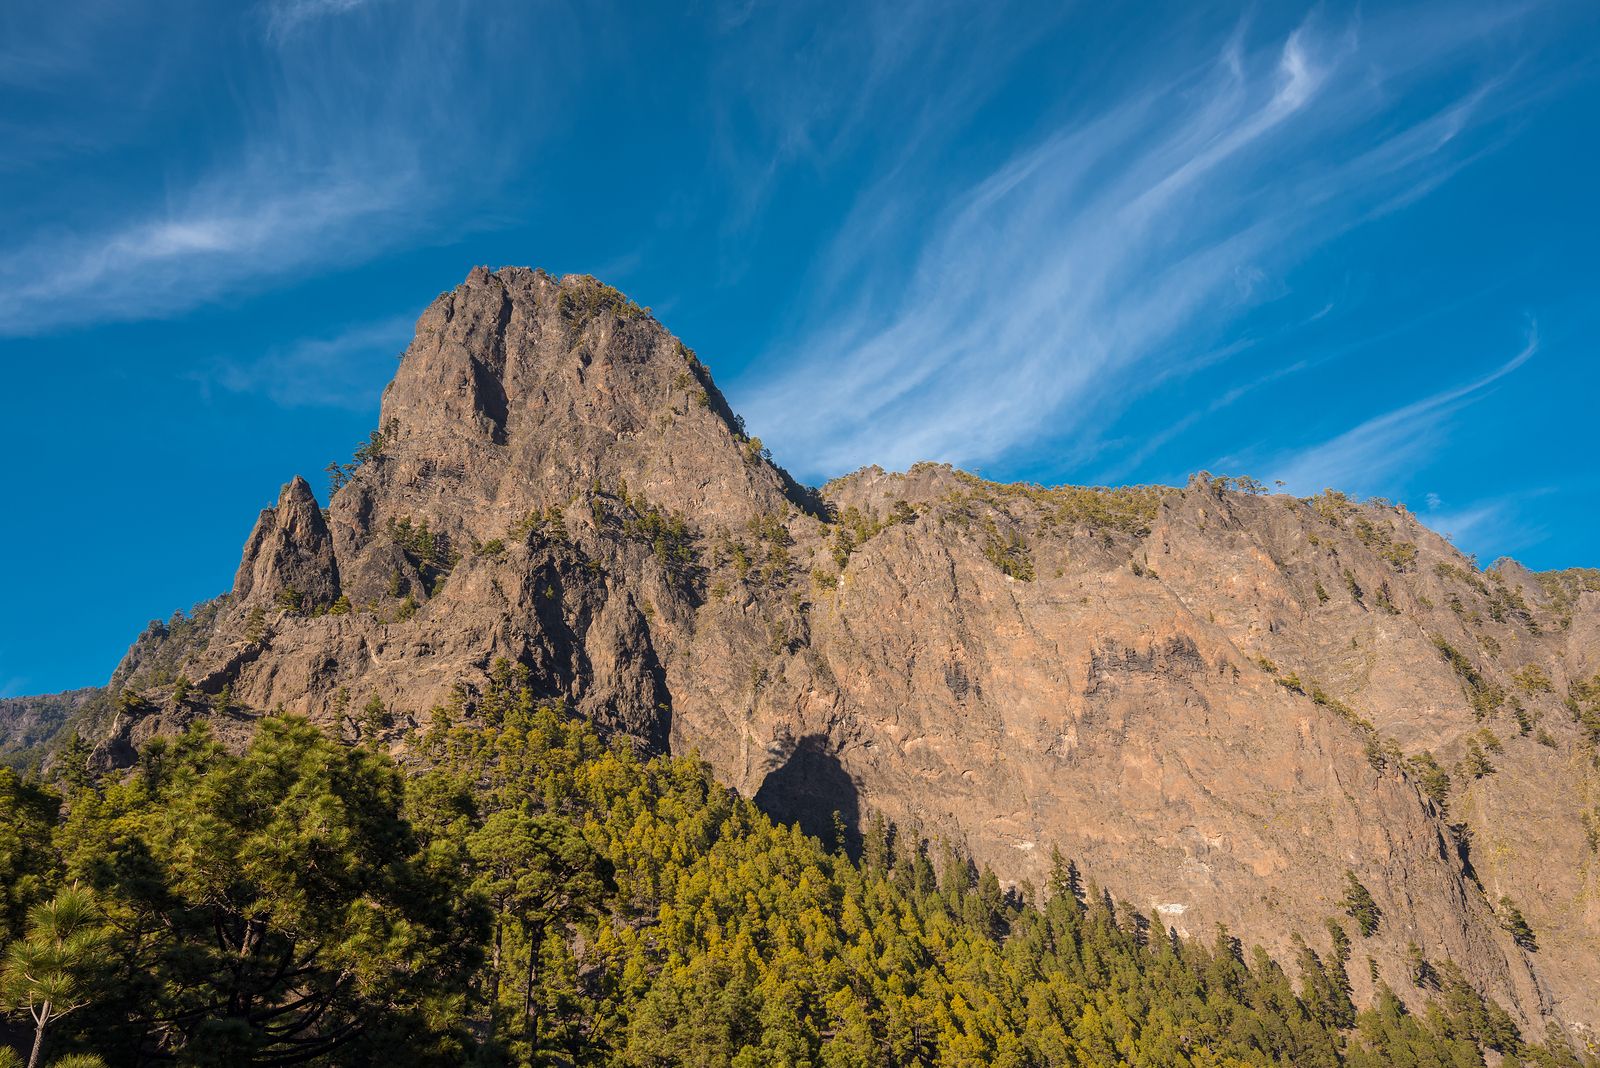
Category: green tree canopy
[52,969]
[527,892]
[269,907]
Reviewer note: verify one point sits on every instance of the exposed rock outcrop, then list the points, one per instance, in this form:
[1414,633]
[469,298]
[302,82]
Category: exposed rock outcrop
[27,724]
[1219,702]
[289,557]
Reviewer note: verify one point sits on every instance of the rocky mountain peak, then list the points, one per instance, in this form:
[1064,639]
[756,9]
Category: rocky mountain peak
[1222,702]
[289,557]
[529,389]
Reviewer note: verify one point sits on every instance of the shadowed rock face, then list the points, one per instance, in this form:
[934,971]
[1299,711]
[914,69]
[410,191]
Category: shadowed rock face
[813,789]
[1204,696]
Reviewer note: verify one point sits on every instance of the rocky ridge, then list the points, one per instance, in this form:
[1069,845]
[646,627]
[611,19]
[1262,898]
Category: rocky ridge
[1218,701]
[28,723]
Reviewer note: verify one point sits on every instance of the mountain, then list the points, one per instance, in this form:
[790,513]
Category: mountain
[28,723]
[1228,706]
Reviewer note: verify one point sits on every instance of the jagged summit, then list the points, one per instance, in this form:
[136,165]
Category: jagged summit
[1218,701]
[546,386]
[289,552]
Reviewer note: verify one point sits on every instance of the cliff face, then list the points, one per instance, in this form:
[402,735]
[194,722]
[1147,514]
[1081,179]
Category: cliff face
[27,723]
[1215,701]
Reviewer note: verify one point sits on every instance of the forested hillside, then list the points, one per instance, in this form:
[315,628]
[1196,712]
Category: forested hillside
[515,890]
[27,724]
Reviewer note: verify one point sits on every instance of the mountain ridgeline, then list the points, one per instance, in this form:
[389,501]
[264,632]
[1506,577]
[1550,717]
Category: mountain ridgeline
[1226,707]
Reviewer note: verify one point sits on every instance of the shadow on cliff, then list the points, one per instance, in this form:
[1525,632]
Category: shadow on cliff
[809,789]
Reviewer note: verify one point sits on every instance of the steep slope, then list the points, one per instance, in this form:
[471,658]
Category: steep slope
[28,724]
[1215,700]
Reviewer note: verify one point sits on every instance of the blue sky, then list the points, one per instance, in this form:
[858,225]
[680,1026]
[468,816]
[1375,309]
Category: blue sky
[1334,245]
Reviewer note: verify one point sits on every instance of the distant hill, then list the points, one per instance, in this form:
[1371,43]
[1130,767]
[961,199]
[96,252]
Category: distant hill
[28,724]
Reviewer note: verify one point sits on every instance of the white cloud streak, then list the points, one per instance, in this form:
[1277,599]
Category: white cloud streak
[797,88]
[251,223]
[342,156]
[337,371]
[1493,526]
[1464,526]
[1063,284]
[1365,456]
[286,16]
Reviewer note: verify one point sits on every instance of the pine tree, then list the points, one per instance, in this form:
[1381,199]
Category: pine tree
[538,873]
[540,896]
[1512,920]
[1359,906]
[51,970]
[276,902]
[27,859]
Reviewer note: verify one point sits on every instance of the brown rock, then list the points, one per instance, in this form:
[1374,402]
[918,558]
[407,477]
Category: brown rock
[289,556]
[1205,696]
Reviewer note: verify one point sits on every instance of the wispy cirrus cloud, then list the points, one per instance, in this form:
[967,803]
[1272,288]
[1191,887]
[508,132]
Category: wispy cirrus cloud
[285,16]
[250,223]
[1365,456]
[798,94]
[1120,249]
[350,141]
[338,371]
[1497,524]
